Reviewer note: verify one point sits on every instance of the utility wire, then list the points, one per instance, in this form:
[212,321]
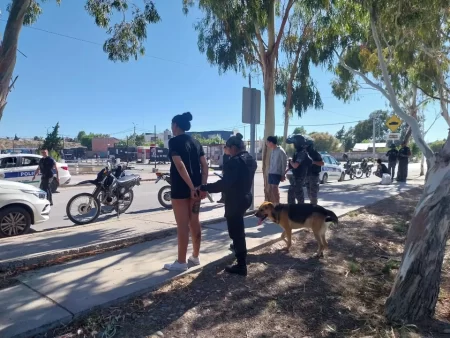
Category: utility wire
[93,42]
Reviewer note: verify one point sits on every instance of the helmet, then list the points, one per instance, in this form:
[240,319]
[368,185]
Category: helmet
[309,142]
[298,141]
[393,145]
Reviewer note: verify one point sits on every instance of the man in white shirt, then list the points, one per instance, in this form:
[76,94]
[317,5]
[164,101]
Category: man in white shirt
[277,168]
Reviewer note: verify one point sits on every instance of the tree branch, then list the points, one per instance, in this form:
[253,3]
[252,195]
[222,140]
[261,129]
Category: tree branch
[412,122]
[283,24]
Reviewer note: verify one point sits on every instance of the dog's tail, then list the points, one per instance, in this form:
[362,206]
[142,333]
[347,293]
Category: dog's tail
[331,217]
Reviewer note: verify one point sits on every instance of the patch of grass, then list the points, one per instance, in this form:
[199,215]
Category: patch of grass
[354,267]
[401,227]
[390,265]
[353,213]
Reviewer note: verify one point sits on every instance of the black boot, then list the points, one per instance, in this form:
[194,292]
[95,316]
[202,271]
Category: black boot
[238,269]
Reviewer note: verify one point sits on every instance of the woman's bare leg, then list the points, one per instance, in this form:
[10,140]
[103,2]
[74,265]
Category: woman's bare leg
[194,224]
[182,211]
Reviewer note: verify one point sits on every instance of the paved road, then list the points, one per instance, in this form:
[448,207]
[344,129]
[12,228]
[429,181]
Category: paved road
[145,198]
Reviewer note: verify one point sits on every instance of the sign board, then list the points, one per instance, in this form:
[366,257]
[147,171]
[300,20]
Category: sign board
[393,137]
[393,123]
[251,105]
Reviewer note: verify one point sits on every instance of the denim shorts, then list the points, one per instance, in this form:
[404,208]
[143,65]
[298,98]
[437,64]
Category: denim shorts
[274,179]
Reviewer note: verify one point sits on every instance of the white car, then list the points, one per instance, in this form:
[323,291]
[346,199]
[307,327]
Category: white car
[21,205]
[331,170]
[21,168]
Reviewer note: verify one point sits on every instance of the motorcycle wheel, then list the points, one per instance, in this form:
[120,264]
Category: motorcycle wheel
[359,173]
[91,208]
[164,197]
[125,207]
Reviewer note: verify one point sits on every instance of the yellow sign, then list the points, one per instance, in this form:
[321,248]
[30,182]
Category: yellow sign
[393,123]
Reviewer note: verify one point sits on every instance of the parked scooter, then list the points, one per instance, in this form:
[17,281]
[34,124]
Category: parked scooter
[365,169]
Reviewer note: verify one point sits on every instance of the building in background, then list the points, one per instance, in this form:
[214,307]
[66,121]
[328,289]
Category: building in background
[222,134]
[164,137]
[101,144]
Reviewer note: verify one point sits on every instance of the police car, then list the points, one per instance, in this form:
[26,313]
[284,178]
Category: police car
[332,169]
[21,168]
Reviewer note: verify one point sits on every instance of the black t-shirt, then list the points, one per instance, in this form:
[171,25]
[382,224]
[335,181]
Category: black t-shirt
[305,163]
[190,151]
[314,170]
[46,165]
[384,169]
[403,154]
[392,155]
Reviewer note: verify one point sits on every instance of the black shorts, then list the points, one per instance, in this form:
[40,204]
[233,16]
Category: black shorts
[180,194]
[274,179]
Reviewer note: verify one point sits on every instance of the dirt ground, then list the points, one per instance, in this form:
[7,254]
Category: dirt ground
[285,294]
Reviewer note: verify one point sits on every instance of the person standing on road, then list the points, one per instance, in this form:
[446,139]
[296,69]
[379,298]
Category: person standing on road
[238,175]
[299,164]
[392,156]
[312,179]
[46,166]
[277,169]
[403,154]
[188,170]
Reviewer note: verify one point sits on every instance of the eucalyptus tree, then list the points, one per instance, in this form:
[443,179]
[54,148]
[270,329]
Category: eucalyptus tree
[126,36]
[383,43]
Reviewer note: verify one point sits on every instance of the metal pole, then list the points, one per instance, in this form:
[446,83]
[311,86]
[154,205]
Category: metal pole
[155,147]
[373,150]
[252,135]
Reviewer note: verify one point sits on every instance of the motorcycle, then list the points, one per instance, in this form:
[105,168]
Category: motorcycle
[164,197]
[113,192]
[352,170]
[365,169]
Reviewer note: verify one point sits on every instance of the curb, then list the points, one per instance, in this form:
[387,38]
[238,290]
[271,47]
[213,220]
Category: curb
[112,245]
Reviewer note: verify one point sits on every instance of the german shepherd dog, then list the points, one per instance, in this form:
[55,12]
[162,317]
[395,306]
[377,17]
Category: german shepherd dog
[298,216]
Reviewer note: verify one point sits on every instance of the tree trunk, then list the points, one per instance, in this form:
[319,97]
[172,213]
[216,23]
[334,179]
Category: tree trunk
[416,289]
[269,130]
[287,111]
[422,166]
[8,48]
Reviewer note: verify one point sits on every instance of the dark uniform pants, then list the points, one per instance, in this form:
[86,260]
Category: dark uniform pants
[236,231]
[391,168]
[45,185]
[312,187]
[402,172]
[296,191]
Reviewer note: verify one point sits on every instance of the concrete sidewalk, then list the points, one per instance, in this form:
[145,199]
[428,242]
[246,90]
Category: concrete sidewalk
[57,294]
[42,246]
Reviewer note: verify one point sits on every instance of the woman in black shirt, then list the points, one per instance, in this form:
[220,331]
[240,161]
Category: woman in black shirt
[188,170]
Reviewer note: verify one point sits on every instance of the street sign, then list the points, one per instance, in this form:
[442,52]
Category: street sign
[393,137]
[251,105]
[393,123]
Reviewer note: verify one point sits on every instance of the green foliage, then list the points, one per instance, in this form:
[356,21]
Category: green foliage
[53,142]
[208,141]
[415,150]
[436,146]
[139,140]
[56,155]
[348,141]
[80,135]
[125,23]
[16,138]
[160,144]
[364,130]
[300,130]
[325,142]
[340,134]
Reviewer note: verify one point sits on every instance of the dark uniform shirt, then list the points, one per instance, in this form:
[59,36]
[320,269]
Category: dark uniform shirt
[46,165]
[238,174]
[314,170]
[392,155]
[403,154]
[305,162]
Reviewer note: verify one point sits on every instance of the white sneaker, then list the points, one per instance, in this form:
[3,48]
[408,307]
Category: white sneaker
[175,266]
[194,260]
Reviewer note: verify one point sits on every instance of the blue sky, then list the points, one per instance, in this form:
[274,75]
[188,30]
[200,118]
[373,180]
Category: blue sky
[74,83]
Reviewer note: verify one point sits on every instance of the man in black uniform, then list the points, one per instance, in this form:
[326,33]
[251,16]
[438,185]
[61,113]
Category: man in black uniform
[392,156]
[225,158]
[46,167]
[299,164]
[238,174]
[403,154]
[312,180]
